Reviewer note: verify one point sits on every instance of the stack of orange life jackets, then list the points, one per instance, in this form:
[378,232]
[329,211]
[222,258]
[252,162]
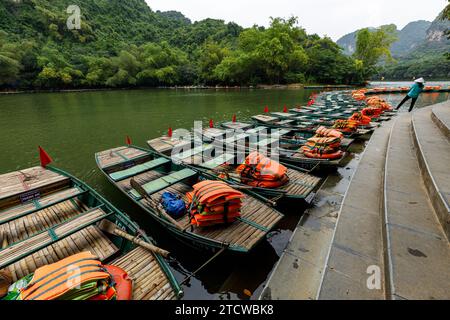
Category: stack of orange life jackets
[359,94]
[379,103]
[260,171]
[346,125]
[324,145]
[371,112]
[360,119]
[77,277]
[213,202]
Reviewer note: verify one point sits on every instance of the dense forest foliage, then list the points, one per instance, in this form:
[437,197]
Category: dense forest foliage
[124,43]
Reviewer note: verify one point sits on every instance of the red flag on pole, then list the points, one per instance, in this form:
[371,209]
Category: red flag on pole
[44,157]
[285,109]
[266,109]
[234,118]
[169,132]
[211,123]
[128,140]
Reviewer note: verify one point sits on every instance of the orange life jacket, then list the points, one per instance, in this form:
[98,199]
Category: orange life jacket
[213,202]
[331,142]
[54,280]
[371,112]
[325,132]
[346,125]
[260,167]
[122,283]
[362,119]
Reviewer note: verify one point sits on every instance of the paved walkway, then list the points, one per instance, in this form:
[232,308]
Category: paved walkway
[394,219]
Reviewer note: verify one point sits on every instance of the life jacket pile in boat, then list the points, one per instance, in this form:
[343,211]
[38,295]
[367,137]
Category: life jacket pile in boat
[359,95]
[260,171]
[345,125]
[78,277]
[371,112]
[379,103]
[213,202]
[324,145]
[360,119]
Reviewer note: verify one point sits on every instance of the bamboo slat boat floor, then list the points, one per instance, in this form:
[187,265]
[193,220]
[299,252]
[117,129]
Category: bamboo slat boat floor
[38,241]
[300,183]
[25,227]
[117,155]
[149,281]
[89,239]
[240,233]
[17,182]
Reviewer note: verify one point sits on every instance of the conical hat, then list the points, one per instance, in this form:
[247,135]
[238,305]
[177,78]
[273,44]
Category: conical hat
[420,80]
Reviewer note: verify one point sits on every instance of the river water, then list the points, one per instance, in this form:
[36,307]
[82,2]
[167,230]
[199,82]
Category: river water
[73,126]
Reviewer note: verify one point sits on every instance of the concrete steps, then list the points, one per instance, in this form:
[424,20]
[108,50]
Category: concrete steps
[441,117]
[433,152]
[357,244]
[394,218]
[417,253]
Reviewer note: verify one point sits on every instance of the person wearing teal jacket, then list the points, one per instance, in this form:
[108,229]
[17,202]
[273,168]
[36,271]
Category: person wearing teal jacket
[414,92]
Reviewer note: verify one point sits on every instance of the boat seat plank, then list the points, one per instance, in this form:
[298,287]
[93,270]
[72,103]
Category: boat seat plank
[237,125]
[264,118]
[165,144]
[17,182]
[38,204]
[191,152]
[130,172]
[164,182]
[118,155]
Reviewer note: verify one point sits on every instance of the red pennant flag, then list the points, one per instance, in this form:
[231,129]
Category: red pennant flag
[128,140]
[266,109]
[169,132]
[234,118]
[285,109]
[44,157]
[211,123]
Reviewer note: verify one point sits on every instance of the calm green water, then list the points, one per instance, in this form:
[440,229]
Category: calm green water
[73,126]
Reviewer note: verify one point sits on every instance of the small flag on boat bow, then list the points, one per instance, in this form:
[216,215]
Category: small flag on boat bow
[44,157]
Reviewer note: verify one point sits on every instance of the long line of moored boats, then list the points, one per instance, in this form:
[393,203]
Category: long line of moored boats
[55,228]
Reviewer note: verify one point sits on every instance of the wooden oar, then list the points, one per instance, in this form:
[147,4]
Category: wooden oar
[110,227]
[136,186]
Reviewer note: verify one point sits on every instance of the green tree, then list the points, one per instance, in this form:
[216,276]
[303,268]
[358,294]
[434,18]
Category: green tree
[372,46]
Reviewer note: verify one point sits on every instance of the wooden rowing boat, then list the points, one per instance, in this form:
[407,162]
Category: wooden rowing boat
[47,215]
[300,188]
[306,124]
[155,174]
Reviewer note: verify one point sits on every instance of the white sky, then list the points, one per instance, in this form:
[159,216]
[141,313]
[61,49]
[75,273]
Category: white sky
[333,18]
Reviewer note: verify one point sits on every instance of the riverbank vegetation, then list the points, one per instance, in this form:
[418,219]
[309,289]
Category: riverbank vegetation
[126,44]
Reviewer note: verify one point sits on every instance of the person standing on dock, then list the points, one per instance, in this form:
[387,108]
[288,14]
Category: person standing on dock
[416,90]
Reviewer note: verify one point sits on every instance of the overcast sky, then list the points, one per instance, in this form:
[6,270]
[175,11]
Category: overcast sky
[333,18]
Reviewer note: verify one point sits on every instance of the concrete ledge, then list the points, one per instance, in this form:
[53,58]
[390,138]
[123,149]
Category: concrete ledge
[417,254]
[357,243]
[433,153]
[441,117]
